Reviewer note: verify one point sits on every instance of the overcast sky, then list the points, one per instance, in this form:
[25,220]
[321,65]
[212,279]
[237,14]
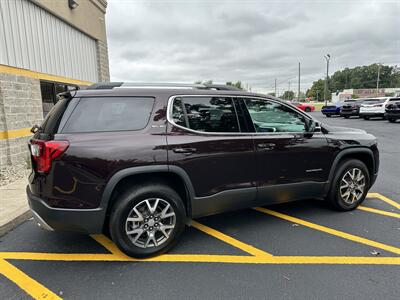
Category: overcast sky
[251,41]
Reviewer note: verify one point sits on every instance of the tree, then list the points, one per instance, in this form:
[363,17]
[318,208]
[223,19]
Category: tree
[361,77]
[317,90]
[288,95]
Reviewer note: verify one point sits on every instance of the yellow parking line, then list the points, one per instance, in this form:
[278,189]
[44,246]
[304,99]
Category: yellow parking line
[230,240]
[331,231]
[204,258]
[380,212]
[26,283]
[106,243]
[384,199]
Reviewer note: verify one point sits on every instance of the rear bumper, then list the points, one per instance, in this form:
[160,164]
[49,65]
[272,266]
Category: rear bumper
[77,220]
[330,111]
[372,114]
[353,112]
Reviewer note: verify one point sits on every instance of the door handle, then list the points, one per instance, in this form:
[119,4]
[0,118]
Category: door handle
[266,146]
[186,151]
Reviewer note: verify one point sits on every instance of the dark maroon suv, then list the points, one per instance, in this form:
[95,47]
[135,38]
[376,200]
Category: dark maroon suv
[140,161]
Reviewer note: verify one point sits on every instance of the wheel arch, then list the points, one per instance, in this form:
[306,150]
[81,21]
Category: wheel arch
[361,153]
[172,176]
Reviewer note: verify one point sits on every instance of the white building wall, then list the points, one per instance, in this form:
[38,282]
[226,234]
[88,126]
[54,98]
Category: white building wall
[33,39]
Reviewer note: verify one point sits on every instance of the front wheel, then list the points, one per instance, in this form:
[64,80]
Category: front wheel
[147,220]
[366,118]
[391,120]
[350,185]
[307,109]
[328,115]
[346,117]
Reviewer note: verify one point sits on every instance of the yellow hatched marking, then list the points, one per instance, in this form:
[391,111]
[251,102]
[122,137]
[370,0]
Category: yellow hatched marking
[230,240]
[203,258]
[26,283]
[379,212]
[106,243]
[384,199]
[331,231]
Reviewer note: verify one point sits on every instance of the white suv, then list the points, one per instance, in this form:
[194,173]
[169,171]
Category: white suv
[375,107]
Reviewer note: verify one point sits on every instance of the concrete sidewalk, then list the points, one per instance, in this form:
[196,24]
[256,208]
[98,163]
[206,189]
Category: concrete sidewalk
[14,207]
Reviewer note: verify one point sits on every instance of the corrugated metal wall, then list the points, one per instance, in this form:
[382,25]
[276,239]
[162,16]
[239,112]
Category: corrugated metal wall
[33,39]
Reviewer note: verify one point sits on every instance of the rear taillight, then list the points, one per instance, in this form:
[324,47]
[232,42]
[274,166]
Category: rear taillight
[44,152]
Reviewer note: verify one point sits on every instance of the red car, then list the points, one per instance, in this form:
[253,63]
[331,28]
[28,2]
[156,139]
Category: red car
[304,106]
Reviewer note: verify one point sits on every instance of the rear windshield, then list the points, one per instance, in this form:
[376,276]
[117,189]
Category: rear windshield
[109,114]
[52,120]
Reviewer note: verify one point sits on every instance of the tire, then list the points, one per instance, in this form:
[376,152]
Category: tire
[391,120]
[135,198]
[346,117]
[328,116]
[337,192]
[307,109]
[366,118]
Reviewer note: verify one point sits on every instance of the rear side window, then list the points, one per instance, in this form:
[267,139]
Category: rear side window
[206,114]
[110,114]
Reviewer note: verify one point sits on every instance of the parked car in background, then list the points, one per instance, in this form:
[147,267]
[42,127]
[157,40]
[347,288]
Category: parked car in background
[393,110]
[304,106]
[351,108]
[334,109]
[375,107]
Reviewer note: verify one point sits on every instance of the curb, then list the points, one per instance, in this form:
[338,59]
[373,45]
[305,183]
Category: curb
[10,225]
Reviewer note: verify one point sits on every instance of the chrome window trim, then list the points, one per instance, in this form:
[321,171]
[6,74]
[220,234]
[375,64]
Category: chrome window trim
[170,120]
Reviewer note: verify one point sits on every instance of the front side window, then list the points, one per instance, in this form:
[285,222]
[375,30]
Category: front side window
[110,114]
[206,114]
[269,116]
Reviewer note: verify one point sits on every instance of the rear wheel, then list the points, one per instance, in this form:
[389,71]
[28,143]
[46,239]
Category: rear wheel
[350,185]
[147,220]
[307,109]
[366,118]
[328,115]
[346,117]
[391,120]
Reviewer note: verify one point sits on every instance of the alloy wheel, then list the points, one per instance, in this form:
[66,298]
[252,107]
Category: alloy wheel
[150,223]
[352,186]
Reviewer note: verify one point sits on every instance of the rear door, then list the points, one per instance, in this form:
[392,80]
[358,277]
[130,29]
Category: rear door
[290,165]
[208,140]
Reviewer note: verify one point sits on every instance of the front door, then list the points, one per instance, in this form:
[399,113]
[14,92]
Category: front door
[291,166]
[207,139]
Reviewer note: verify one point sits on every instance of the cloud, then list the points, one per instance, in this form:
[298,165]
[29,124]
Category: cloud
[251,41]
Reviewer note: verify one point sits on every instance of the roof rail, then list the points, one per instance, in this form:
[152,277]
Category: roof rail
[111,85]
[221,87]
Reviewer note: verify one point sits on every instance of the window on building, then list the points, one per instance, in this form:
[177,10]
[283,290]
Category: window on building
[49,92]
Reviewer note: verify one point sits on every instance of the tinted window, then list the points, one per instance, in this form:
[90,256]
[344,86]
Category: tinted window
[110,114]
[208,114]
[268,116]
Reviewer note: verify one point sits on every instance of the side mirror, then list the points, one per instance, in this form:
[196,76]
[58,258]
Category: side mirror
[310,126]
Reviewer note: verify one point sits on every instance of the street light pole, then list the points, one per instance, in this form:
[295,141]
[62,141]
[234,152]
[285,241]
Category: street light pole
[327,57]
[298,87]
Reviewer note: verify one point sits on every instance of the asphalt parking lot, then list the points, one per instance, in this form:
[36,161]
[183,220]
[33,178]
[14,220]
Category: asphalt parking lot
[295,250]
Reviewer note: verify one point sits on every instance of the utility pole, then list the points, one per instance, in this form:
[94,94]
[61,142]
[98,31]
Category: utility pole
[298,87]
[275,89]
[377,80]
[327,57]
